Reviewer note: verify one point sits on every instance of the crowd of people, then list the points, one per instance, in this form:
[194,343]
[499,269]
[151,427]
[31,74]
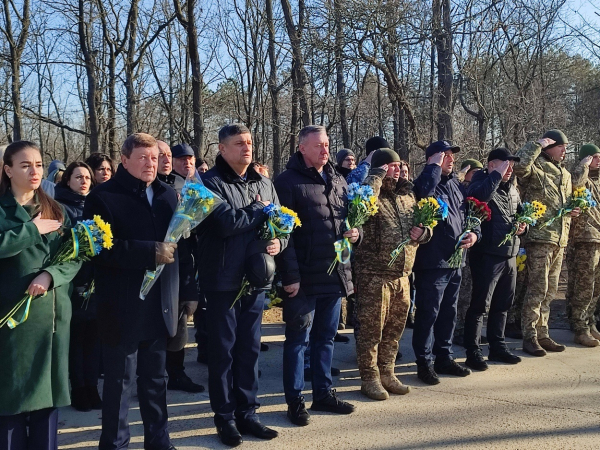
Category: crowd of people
[87,318]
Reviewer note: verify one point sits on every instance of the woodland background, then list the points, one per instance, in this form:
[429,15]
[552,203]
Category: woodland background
[78,76]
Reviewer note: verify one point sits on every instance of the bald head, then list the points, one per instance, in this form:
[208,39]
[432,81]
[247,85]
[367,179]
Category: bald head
[165,159]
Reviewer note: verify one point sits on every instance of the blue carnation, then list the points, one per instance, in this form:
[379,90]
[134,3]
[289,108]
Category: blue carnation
[443,208]
[270,208]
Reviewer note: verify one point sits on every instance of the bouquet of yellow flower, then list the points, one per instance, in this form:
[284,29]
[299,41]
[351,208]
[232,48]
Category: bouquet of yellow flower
[530,214]
[195,204]
[88,238]
[521,258]
[280,222]
[362,204]
[581,198]
[427,212]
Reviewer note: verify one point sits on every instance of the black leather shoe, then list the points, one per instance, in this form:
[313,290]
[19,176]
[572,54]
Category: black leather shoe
[451,367]
[503,356]
[229,434]
[475,360]
[94,397]
[184,383]
[341,338]
[332,404]
[80,400]
[255,428]
[427,375]
[297,412]
[264,347]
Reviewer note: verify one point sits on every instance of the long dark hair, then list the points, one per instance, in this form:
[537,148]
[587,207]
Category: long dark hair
[49,208]
[69,172]
[95,160]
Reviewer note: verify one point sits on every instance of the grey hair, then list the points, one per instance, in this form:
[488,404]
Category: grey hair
[233,129]
[310,129]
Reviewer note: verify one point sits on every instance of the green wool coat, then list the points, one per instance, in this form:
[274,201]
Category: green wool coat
[544,180]
[34,357]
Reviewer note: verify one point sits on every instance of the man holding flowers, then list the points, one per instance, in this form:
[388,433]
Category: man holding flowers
[543,178]
[134,332]
[225,240]
[436,282]
[311,305]
[493,260]
[383,298]
[584,270]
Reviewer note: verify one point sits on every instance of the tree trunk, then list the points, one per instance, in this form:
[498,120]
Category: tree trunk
[442,33]
[274,91]
[339,68]
[90,72]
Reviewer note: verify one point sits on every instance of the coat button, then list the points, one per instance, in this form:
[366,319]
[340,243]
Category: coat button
[166,311]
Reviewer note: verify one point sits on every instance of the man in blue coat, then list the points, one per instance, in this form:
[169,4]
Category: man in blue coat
[134,332]
[436,283]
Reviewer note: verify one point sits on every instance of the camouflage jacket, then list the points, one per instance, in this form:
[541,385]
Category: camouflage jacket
[388,228]
[586,227]
[546,181]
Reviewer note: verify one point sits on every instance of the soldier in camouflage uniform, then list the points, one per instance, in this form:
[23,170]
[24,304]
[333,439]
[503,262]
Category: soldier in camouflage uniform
[383,292]
[543,178]
[468,168]
[584,267]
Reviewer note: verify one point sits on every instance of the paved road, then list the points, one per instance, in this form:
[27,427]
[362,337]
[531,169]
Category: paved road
[542,403]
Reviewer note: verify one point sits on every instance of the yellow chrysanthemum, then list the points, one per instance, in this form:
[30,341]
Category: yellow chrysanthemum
[422,202]
[433,224]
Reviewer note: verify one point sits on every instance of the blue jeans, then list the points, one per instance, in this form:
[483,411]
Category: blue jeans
[435,318]
[317,326]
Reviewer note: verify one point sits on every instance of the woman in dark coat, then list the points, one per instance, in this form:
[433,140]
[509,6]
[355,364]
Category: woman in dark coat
[34,367]
[84,349]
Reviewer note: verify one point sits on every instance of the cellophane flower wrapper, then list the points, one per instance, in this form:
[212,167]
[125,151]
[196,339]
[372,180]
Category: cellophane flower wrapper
[88,238]
[477,212]
[581,198]
[280,222]
[427,212]
[362,204]
[195,204]
[530,214]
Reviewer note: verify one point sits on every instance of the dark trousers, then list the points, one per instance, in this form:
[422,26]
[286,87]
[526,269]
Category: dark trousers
[174,364]
[43,429]
[121,364]
[494,282]
[233,349]
[200,324]
[84,353]
[319,328]
[435,317]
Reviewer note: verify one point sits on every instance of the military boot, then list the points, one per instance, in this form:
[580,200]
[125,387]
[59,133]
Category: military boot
[533,347]
[550,346]
[374,390]
[586,339]
[594,332]
[393,385]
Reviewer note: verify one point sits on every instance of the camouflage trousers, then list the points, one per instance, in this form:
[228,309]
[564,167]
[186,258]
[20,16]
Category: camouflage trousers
[544,262]
[381,311]
[464,299]
[584,281]
[514,313]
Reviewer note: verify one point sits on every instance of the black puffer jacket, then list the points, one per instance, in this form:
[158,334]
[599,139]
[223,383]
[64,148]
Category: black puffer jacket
[71,200]
[322,207]
[225,234]
[504,202]
[435,254]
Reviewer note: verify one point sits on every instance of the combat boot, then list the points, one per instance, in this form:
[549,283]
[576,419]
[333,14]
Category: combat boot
[533,347]
[550,346]
[594,332]
[374,390]
[393,385]
[586,339]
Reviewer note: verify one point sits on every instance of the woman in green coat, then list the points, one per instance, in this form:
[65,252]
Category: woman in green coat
[34,355]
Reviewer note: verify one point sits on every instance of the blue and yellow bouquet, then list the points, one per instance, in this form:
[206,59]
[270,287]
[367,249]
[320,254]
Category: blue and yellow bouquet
[427,212]
[530,214]
[362,204]
[88,238]
[195,204]
[280,222]
[581,198]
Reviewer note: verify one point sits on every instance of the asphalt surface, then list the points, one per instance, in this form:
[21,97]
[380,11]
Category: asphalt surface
[541,403]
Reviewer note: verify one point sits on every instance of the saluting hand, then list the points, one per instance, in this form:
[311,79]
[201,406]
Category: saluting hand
[545,142]
[436,159]
[587,160]
[502,168]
